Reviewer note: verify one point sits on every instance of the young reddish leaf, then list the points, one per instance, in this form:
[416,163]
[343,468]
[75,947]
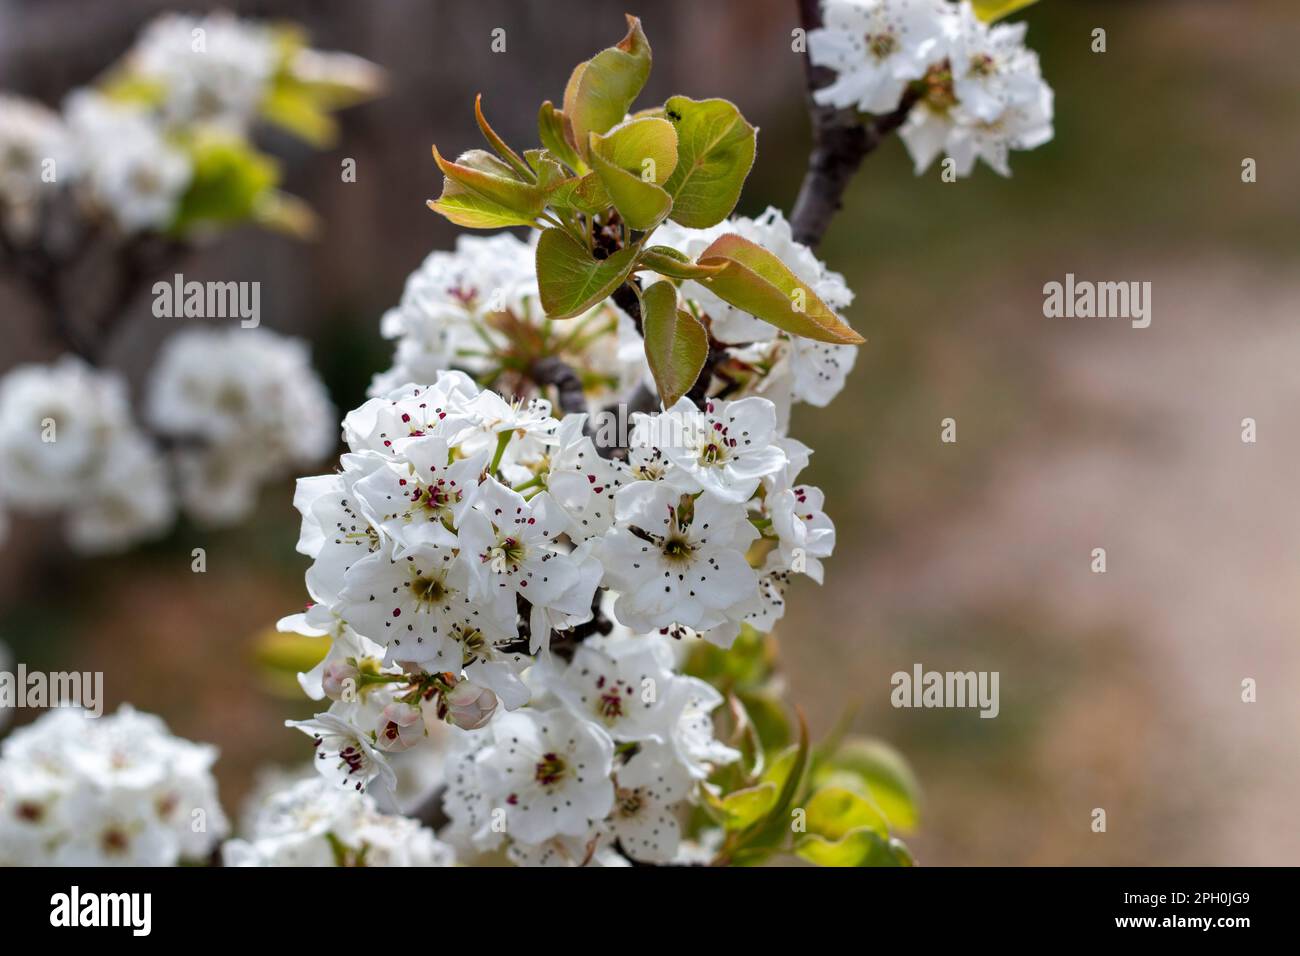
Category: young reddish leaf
[569,280]
[482,192]
[497,143]
[759,283]
[550,129]
[667,261]
[600,91]
[676,344]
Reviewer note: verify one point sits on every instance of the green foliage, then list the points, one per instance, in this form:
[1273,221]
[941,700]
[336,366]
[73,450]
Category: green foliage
[667,261]
[877,772]
[990,10]
[230,180]
[600,184]
[741,809]
[715,152]
[834,811]
[676,344]
[631,161]
[570,280]
[857,848]
[233,182]
[480,191]
[604,180]
[756,281]
[601,91]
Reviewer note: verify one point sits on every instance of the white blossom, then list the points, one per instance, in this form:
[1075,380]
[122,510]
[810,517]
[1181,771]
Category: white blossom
[550,771]
[31,137]
[212,69]
[678,560]
[875,48]
[245,405]
[126,166]
[118,790]
[310,823]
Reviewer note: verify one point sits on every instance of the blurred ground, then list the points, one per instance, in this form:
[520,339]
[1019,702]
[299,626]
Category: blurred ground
[1119,691]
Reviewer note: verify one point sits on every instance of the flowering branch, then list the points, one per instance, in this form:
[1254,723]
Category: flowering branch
[841,141]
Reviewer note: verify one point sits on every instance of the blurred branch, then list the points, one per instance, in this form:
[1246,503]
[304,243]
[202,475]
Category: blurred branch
[553,370]
[47,273]
[841,140]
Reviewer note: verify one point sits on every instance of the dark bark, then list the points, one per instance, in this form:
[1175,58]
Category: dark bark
[841,140]
[553,370]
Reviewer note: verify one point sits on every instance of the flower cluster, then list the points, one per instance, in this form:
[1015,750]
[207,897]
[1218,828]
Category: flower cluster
[68,442]
[465,535]
[153,146]
[575,496]
[476,309]
[158,152]
[979,91]
[110,791]
[217,396]
[30,135]
[311,823]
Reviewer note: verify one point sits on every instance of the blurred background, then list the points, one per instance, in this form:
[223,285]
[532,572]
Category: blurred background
[1119,690]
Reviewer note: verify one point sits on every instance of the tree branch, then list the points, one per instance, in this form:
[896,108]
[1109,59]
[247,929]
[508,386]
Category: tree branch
[841,140]
[553,370]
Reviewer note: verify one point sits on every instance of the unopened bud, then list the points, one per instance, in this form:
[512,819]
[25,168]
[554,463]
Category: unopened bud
[339,679]
[469,706]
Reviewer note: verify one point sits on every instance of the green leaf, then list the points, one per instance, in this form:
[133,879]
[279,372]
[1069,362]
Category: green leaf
[879,772]
[715,152]
[747,665]
[990,10]
[569,280]
[584,193]
[834,811]
[334,80]
[787,771]
[230,180]
[862,847]
[550,130]
[768,713]
[550,175]
[667,261]
[642,205]
[481,192]
[742,808]
[601,91]
[640,146]
[499,145]
[676,344]
[285,214]
[621,160]
[759,283]
[293,110]
[281,656]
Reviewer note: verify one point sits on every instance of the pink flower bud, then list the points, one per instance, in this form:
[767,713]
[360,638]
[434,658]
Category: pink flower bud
[339,680]
[469,706]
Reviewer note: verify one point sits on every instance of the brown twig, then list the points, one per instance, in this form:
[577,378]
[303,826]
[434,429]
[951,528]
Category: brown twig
[553,370]
[841,140]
